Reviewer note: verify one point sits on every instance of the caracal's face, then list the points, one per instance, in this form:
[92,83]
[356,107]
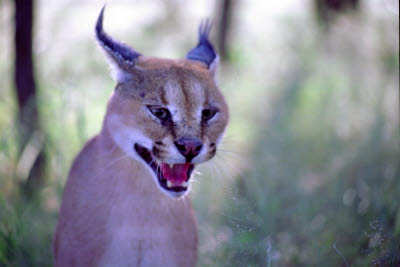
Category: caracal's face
[170,116]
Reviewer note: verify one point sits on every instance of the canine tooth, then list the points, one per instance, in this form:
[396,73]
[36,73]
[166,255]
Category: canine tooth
[185,184]
[169,184]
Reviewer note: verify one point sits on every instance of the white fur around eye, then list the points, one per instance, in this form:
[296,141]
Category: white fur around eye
[176,116]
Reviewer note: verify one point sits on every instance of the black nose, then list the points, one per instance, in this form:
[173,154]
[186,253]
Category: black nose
[189,147]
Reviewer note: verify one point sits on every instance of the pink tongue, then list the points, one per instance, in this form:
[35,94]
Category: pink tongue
[177,174]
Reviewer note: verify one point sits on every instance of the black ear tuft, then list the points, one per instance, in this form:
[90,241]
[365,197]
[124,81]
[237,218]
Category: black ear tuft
[123,55]
[204,51]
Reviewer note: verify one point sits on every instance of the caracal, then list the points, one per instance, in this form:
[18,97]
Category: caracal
[125,202]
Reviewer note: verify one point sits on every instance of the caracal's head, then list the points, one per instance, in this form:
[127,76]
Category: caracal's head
[167,114]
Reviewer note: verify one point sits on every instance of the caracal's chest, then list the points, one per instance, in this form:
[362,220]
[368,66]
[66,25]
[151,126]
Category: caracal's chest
[151,235]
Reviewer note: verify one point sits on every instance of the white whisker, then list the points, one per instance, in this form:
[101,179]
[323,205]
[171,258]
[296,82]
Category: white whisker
[113,162]
[228,151]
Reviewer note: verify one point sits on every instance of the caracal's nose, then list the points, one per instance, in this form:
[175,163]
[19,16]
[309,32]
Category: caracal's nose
[188,147]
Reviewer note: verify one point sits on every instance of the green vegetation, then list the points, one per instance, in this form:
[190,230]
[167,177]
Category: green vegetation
[308,174]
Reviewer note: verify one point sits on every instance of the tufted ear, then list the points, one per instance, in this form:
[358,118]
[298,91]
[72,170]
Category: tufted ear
[122,57]
[204,51]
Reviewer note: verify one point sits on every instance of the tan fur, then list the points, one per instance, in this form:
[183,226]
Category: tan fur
[113,213]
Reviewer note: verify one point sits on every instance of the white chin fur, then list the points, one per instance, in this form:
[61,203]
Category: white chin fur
[174,194]
[126,137]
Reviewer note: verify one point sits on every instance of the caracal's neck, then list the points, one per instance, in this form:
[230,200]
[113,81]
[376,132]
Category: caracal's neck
[107,145]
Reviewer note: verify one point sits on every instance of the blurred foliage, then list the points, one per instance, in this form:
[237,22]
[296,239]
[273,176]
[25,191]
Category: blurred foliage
[309,171]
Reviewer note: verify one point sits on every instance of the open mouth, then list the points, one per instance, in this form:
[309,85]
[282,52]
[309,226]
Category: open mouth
[171,177]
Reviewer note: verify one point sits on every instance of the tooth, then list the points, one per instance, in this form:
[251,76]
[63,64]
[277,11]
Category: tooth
[169,184]
[185,184]
[171,165]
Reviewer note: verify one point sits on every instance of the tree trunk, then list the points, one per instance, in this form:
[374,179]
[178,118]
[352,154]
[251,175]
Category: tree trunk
[224,25]
[327,10]
[31,163]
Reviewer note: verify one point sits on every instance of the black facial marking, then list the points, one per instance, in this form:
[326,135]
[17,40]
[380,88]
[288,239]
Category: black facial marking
[162,96]
[213,151]
[171,128]
[139,79]
[203,125]
[157,152]
[168,123]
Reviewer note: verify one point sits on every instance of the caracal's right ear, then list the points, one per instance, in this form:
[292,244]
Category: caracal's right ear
[121,56]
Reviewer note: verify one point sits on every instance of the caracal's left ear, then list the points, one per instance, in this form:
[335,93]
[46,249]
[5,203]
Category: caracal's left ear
[204,51]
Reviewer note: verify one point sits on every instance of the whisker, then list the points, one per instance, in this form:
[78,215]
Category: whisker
[229,140]
[115,161]
[230,168]
[217,168]
[226,150]
[110,164]
[113,148]
[232,154]
[153,160]
[158,169]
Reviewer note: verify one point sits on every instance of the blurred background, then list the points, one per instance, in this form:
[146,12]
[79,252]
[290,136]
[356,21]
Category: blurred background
[308,173]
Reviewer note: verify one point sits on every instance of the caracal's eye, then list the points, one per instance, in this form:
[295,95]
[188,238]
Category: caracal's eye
[207,114]
[161,113]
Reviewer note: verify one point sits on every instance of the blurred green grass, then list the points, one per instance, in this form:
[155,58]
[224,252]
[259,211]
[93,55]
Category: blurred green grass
[311,156]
